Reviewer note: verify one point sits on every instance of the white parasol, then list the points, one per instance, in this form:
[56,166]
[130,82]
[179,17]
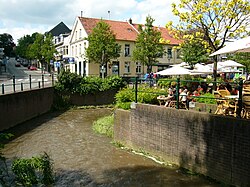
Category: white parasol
[230,63]
[175,70]
[241,45]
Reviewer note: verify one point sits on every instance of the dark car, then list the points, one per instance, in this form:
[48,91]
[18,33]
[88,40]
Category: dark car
[17,64]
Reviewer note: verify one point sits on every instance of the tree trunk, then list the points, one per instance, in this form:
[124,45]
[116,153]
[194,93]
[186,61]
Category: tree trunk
[215,72]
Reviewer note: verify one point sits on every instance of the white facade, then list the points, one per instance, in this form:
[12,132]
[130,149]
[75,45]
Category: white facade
[123,66]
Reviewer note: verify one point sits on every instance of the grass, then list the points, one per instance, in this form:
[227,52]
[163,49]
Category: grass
[105,126]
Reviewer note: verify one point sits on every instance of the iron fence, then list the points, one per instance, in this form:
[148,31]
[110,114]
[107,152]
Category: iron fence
[136,82]
[19,84]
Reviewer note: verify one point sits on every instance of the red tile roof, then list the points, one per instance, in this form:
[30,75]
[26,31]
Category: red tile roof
[124,30]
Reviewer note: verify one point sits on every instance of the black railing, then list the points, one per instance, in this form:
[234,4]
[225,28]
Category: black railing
[20,84]
[137,82]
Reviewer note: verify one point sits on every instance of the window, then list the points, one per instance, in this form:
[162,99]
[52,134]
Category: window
[76,36]
[138,67]
[80,49]
[76,50]
[80,34]
[66,50]
[170,55]
[127,50]
[127,67]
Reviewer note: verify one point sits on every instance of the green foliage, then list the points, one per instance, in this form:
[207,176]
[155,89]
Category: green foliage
[42,48]
[193,52]
[24,44]
[102,44]
[35,170]
[207,98]
[145,95]
[68,82]
[166,83]
[206,19]
[242,58]
[6,42]
[105,125]
[147,46]
[125,95]
[73,83]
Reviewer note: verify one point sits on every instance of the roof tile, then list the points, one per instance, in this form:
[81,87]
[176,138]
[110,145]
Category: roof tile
[124,30]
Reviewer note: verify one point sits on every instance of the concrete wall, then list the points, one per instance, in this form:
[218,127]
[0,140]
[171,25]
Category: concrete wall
[19,107]
[99,98]
[216,146]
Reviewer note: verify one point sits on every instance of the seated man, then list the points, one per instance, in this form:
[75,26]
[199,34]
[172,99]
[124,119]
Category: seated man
[169,97]
[184,98]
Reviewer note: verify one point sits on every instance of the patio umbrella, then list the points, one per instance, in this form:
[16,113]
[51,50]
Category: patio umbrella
[175,70]
[230,63]
[202,69]
[241,45]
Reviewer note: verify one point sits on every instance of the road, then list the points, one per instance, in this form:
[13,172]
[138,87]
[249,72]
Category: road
[21,78]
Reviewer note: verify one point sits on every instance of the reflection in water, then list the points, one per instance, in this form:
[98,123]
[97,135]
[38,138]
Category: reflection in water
[83,158]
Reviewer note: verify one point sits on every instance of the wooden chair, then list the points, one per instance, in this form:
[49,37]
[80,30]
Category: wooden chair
[224,93]
[224,106]
[219,101]
[246,105]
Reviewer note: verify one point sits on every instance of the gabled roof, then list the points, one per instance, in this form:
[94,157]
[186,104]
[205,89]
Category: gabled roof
[124,30]
[61,28]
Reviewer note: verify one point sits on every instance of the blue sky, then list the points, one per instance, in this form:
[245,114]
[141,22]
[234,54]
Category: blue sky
[21,17]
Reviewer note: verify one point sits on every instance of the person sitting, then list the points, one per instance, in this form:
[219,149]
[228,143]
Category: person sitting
[169,97]
[184,98]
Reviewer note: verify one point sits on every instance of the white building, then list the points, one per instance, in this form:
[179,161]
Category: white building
[126,34]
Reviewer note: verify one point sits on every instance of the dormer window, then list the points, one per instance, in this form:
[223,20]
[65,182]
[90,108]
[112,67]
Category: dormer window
[129,29]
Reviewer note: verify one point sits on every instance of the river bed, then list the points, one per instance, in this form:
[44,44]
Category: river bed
[84,158]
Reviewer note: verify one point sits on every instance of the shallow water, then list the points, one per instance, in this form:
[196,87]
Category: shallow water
[83,158]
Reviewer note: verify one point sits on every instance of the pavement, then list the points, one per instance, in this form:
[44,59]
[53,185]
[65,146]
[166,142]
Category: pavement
[4,75]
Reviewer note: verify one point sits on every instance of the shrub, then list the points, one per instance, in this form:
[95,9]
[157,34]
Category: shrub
[207,98]
[145,95]
[73,83]
[35,170]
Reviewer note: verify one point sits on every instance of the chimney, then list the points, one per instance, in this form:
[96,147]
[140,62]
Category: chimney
[130,21]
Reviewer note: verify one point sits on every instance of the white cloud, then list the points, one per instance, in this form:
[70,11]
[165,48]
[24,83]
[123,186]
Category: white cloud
[21,17]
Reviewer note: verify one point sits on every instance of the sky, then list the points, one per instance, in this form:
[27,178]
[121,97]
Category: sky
[24,17]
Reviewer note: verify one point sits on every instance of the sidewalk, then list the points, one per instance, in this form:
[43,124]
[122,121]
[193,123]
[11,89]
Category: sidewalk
[4,75]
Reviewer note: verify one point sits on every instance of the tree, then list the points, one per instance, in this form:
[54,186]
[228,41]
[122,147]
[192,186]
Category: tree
[147,46]
[102,44]
[242,58]
[6,42]
[43,49]
[193,51]
[23,46]
[216,20]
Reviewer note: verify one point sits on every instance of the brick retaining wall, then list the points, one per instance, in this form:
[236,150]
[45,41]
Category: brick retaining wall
[216,146]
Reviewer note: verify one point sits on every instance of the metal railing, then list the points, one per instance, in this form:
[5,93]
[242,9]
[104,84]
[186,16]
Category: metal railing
[136,82]
[19,84]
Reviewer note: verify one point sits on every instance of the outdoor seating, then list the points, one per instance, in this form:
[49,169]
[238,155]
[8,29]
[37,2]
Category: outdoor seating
[162,99]
[246,102]
[226,104]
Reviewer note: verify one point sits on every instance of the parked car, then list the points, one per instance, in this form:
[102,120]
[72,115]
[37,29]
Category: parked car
[32,68]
